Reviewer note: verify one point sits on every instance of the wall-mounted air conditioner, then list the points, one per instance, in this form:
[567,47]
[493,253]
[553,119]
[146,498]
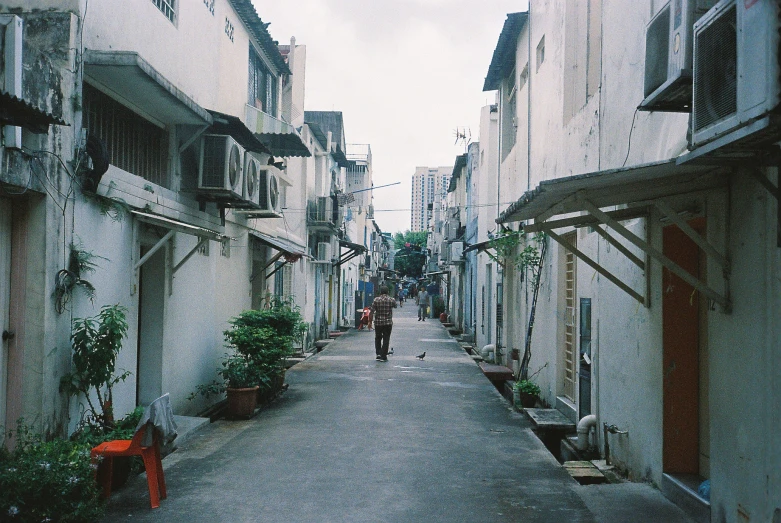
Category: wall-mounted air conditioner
[451,228]
[323,209]
[444,251]
[324,252]
[251,191]
[456,252]
[268,193]
[736,69]
[221,167]
[667,82]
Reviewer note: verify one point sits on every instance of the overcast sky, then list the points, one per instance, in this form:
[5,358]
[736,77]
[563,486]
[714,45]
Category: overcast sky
[405,74]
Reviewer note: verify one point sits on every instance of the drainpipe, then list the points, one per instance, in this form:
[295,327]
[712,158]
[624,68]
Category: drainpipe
[585,425]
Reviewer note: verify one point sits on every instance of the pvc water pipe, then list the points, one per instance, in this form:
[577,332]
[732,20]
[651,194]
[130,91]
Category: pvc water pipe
[488,353]
[585,425]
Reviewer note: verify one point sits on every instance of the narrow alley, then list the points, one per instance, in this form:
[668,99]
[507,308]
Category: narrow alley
[355,439]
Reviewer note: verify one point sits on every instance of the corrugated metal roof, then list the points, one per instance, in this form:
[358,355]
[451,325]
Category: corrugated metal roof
[17,112]
[460,164]
[620,186]
[259,30]
[504,54]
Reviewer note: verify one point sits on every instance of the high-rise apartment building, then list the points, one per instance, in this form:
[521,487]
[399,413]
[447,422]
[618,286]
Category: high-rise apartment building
[426,183]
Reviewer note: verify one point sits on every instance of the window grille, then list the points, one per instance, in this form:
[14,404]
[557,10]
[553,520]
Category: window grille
[134,144]
[167,7]
[262,88]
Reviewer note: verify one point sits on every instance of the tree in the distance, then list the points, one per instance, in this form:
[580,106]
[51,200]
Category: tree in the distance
[410,253]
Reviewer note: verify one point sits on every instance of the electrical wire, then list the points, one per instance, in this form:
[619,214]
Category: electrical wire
[629,145]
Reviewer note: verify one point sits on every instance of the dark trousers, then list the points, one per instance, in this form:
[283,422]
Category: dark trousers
[382,339]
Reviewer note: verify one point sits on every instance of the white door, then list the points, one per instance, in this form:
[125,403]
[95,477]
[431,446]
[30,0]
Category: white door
[5,284]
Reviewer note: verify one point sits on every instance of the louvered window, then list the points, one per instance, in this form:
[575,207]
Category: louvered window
[262,85]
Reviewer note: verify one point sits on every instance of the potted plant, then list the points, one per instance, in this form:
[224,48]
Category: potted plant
[265,337]
[525,393]
[241,377]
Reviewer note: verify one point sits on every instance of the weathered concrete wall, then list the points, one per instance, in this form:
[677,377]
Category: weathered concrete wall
[739,444]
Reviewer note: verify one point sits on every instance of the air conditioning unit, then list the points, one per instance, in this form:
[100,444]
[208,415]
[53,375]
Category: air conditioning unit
[324,252]
[325,210]
[251,191]
[736,70]
[444,251]
[668,56]
[221,165]
[268,193]
[456,252]
[451,228]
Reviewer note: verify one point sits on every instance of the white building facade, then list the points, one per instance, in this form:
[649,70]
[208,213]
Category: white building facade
[662,255]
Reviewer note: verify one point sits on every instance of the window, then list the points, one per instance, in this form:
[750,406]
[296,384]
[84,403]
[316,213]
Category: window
[262,92]
[582,54]
[509,113]
[134,144]
[540,52]
[168,8]
[524,77]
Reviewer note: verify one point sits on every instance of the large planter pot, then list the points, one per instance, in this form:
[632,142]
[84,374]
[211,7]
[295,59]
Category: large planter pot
[528,401]
[266,394]
[443,317]
[242,402]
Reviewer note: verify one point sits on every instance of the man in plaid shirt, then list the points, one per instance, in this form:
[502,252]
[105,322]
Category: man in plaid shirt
[382,316]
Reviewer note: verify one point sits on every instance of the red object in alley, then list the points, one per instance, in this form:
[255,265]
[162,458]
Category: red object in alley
[132,447]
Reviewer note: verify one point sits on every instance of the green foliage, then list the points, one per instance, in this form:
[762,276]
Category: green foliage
[409,260]
[260,341]
[47,481]
[91,434]
[96,342]
[527,387]
[506,246]
[438,304]
[80,263]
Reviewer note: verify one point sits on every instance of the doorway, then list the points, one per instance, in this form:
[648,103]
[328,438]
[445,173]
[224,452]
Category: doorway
[151,313]
[684,314]
[5,301]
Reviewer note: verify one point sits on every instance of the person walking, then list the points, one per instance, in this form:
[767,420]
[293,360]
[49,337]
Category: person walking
[382,316]
[422,301]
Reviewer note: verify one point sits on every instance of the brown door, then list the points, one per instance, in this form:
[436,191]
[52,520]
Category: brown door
[680,316]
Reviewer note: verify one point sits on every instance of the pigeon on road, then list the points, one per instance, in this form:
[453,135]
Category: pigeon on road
[421,356]
[390,351]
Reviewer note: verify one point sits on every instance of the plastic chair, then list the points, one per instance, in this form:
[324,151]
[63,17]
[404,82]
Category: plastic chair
[132,447]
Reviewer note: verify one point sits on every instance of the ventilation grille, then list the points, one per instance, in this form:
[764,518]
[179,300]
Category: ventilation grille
[715,71]
[657,48]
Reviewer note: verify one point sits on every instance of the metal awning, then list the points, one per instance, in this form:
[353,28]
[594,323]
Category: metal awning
[128,78]
[20,113]
[354,249]
[233,126]
[173,227]
[279,136]
[641,183]
[291,252]
[284,246]
[640,188]
[479,246]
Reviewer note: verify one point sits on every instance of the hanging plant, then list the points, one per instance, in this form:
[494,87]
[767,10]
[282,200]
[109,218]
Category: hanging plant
[80,262]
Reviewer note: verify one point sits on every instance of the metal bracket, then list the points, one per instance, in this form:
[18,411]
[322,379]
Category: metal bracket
[774,190]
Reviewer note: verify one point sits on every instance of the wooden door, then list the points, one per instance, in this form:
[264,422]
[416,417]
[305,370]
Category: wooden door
[681,318]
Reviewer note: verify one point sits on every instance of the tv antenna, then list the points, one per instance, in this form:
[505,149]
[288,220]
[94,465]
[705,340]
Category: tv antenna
[463,135]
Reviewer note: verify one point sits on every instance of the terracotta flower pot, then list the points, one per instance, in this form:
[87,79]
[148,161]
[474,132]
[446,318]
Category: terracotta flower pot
[443,317]
[242,402]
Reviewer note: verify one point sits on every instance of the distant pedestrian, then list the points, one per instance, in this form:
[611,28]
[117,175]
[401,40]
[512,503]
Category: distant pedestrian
[382,316]
[422,301]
